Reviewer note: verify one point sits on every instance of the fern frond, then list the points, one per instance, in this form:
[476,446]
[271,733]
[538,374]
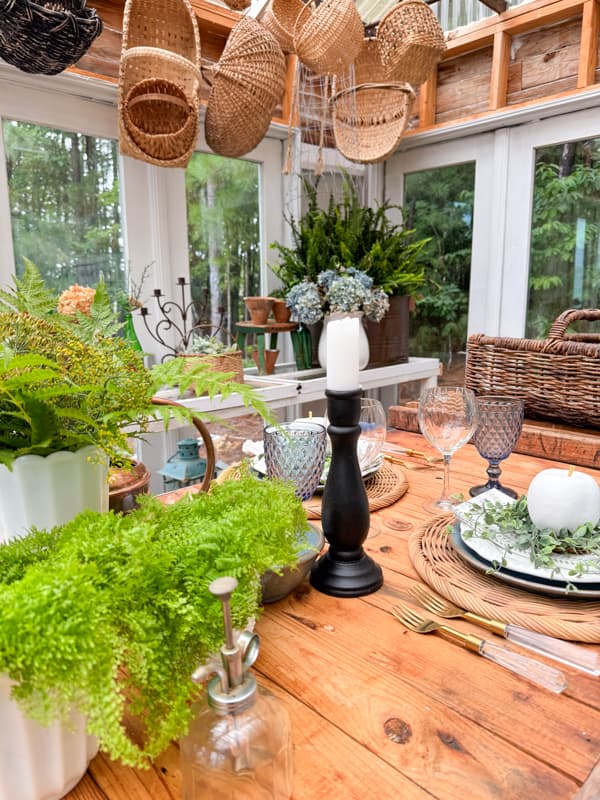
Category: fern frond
[30,294]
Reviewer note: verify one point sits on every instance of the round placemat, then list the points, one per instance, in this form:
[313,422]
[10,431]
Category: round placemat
[386,486]
[440,566]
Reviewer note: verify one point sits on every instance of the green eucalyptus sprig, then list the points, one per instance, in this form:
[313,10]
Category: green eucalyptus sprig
[493,520]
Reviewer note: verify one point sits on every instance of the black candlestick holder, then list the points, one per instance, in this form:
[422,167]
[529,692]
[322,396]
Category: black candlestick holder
[345,570]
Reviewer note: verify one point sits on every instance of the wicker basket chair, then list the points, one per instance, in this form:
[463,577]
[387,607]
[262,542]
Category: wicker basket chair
[280,19]
[411,41]
[370,116]
[47,36]
[159,82]
[557,377]
[328,38]
[247,83]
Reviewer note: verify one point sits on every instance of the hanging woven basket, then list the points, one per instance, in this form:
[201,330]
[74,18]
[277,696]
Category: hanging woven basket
[237,5]
[328,38]
[280,19]
[411,42]
[370,119]
[46,37]
[247,83]
[159,82]
[369,116]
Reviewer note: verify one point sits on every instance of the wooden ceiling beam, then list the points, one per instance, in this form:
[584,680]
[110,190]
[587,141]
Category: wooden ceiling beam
[499,6]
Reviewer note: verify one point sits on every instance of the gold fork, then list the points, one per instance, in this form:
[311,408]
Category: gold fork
[535,671]
[565,652]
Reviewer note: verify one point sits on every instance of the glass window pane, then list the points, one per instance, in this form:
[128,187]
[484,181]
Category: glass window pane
[65,205]
[223,211]
[564,266]
[438,204]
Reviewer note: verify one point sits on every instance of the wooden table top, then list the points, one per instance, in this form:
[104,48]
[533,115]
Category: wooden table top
[379,712]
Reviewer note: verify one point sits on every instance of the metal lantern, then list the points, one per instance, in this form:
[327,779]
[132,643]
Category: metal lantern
[185,467]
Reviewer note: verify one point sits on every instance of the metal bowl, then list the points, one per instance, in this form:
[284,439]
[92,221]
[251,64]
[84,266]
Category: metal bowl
[276,587]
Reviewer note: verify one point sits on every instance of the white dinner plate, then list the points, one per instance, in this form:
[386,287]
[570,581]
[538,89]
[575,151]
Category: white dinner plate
[518,561]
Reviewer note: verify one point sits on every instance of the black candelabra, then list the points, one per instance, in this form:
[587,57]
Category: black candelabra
[178,321]
[345,570]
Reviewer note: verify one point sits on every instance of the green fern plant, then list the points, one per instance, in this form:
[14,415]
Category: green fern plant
[352,235]
[111,614]
[70,381]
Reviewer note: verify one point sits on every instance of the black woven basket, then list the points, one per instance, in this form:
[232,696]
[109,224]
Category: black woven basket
[48,36]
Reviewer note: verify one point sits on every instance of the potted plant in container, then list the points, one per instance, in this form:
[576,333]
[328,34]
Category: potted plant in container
[72,392]
[350,234]
[341,291]
[107,617]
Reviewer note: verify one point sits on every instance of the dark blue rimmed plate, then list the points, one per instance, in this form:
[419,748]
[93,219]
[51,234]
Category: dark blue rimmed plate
[530,583]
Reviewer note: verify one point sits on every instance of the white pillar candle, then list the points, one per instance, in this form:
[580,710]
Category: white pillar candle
[342,354]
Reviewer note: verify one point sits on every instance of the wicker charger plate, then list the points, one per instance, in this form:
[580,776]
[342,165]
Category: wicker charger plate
[386,486]
[439,565]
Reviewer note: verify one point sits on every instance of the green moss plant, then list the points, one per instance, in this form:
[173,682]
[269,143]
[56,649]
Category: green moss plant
[111,614]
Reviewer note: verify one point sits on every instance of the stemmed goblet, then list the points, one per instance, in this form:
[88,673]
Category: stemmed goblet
[448,419]
[499,428]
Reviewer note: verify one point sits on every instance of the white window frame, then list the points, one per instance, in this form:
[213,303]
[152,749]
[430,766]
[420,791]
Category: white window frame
[504,175]
[153,198]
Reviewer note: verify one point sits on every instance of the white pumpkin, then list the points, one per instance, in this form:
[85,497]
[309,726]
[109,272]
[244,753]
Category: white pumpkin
[563,498]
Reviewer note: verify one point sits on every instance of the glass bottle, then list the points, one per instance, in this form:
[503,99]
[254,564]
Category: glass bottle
[239,745]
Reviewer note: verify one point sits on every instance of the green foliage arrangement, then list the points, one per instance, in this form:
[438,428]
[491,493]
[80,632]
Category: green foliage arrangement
[67,381]
[495,520]
[111,614]
[349,234]
[209,346]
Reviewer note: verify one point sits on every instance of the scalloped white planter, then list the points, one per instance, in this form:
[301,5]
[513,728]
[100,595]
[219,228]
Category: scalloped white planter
[38,763]
[50,490]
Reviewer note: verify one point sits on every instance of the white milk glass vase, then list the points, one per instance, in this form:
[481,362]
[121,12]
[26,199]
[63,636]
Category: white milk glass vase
[363,342]
[45,491]
[36,762]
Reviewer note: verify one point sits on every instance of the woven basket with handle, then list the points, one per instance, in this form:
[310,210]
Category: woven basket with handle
[48,36]
[370,116]
[328,38]
[159,82]
[247,83]
[557,377]
[411,41]
[280,19]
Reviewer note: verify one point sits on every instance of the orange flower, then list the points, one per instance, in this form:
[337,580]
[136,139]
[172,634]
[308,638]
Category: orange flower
[76,298]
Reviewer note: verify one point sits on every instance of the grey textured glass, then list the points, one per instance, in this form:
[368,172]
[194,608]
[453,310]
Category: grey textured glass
[295,452]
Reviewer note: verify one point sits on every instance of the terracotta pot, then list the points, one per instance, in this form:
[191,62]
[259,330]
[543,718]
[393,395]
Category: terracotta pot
[125,485]
[388,339]
[270,359]
[281,312]
[259,309]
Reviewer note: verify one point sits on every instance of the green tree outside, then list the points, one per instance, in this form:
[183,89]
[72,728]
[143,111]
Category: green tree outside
[65,205]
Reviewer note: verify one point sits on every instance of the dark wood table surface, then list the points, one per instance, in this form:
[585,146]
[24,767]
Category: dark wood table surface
[379,712]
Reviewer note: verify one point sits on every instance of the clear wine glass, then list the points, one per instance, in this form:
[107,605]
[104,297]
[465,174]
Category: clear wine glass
[448,419]
[373,430]
[499,427]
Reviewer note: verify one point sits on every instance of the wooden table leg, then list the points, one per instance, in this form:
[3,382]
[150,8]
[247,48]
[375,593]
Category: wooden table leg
[260,344]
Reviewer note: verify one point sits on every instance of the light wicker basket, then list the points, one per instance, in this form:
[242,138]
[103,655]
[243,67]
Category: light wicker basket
[159,82]
[160,119]
[222,362]
[280,19]
[558,377]
[370,117]
[411,41]
[237,5]
[247,83]
[328,38]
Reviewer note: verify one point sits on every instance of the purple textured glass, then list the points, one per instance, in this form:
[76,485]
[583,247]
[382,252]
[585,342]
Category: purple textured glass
[498,430]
